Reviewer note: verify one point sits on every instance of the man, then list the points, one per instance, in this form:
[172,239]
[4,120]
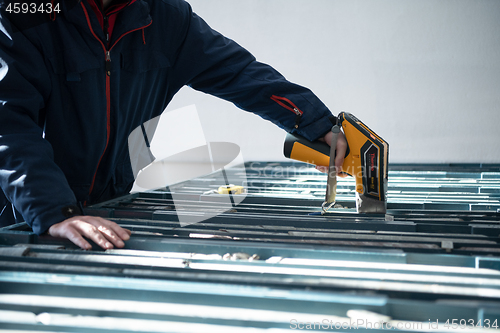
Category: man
[77,76]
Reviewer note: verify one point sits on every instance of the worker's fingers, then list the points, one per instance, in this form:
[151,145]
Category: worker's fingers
[112,229]
[97,234]
[67,230]
[327,138]
[322,168]
[340,153]
[104,233]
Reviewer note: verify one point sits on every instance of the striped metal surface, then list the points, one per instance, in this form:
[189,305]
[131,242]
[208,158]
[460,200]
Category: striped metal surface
[272,263]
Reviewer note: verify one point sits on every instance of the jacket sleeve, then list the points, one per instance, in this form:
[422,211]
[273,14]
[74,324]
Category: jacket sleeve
[220,67]
[29,177]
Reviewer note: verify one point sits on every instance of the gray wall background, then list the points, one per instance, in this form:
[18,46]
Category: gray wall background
[423,74]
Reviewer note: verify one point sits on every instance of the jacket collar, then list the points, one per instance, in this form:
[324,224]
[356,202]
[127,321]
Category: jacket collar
[133,17]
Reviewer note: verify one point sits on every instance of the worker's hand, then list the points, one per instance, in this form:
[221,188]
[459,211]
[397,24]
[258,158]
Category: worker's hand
[103,232]
[339,154]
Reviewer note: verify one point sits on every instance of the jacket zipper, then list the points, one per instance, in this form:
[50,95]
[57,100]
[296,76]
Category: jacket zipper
[107,56]
[288,104]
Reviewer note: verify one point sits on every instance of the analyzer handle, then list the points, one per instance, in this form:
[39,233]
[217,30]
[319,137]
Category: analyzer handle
[299,148]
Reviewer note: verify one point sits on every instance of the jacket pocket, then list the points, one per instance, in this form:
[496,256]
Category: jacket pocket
[73,62]
[288,104]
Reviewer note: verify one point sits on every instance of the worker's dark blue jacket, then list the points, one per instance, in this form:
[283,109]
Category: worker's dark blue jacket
[69,99]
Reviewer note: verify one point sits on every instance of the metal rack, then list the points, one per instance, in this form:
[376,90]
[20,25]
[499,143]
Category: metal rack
[268,261]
